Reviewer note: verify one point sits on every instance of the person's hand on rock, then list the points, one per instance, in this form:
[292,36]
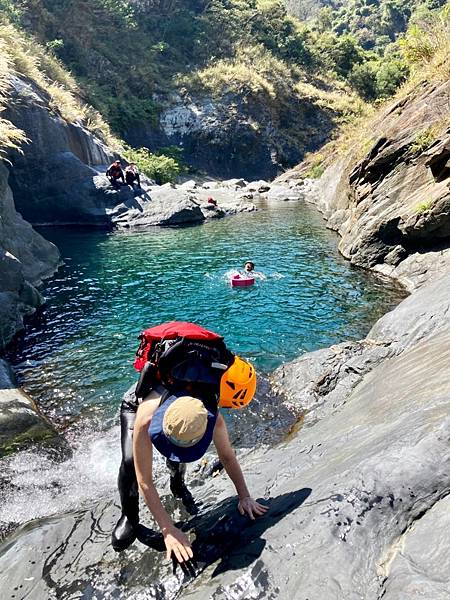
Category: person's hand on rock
[250,507]
[178,544]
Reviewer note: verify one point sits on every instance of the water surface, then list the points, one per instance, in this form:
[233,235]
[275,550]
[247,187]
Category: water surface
[77,355]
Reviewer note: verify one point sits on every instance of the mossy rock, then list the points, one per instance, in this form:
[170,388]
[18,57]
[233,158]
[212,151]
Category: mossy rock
[20,422]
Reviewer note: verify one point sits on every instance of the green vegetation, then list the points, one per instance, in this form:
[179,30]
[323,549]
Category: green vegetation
[373,23]
[425,49]
[423,141]
[127,55]
[316,167]
[424,207]
[160,167]
[125,58]
[426,45]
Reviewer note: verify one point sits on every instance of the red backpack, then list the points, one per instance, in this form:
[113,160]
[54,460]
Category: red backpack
[177,353]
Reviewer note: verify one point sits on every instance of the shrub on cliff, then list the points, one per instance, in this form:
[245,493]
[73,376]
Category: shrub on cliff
[378,78]
[159,167]
[426,45]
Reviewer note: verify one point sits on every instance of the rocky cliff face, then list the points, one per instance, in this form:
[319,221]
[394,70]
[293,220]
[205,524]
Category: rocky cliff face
[392,207]
[53,178]
[25,259]
[233,137]
[59,178]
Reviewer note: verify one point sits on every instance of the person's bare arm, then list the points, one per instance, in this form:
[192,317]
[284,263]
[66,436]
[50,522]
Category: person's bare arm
[176,541]
[230,463]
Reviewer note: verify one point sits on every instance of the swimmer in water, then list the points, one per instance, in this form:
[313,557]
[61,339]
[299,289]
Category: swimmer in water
[249,270]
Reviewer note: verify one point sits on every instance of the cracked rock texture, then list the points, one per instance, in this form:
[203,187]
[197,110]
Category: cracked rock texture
[237,136]
[358,491]
[392,207]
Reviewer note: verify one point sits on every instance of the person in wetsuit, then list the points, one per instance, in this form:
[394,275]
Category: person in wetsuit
[114,173]
[179,417]
[132,175]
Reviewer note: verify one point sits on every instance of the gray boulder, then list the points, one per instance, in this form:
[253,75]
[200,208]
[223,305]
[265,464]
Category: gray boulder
[278,193]
[162,206]
[211,185]
[188,185]
[169,206]
[20,421]
[258,186]
[234,183]
[322,381]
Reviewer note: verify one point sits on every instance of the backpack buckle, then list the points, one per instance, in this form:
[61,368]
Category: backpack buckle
[218,365]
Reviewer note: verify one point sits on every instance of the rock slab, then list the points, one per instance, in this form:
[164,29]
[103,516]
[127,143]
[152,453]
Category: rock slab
[358,496]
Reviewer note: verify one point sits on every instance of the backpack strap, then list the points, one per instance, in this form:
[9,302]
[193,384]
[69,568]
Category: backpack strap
[147,380]
[165,396]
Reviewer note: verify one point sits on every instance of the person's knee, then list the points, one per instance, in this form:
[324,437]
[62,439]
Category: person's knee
[127,466]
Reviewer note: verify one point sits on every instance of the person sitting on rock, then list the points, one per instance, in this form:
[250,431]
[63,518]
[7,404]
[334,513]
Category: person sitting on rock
[210,200]
[114,173]
[187,374]
[132,175]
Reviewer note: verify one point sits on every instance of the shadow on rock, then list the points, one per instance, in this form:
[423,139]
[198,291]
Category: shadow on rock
[224,534]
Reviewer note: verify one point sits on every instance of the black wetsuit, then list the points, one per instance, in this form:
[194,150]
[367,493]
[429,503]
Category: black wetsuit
[127,481]
[131,177]
[192,380]
[114,173]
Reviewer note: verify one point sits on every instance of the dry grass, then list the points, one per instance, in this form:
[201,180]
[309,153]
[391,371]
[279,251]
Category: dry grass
[426,47]
[254,72]
[337,98]
[251,71]
[24,56]
[10,136]
[266,3]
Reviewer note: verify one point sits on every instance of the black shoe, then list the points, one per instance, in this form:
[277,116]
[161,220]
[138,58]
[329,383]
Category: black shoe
[124,534]
[180,490]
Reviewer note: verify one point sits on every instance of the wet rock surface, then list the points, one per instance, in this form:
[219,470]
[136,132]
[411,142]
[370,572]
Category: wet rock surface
[358,492]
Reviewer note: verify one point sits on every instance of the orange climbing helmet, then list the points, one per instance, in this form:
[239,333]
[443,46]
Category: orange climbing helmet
[238,384]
